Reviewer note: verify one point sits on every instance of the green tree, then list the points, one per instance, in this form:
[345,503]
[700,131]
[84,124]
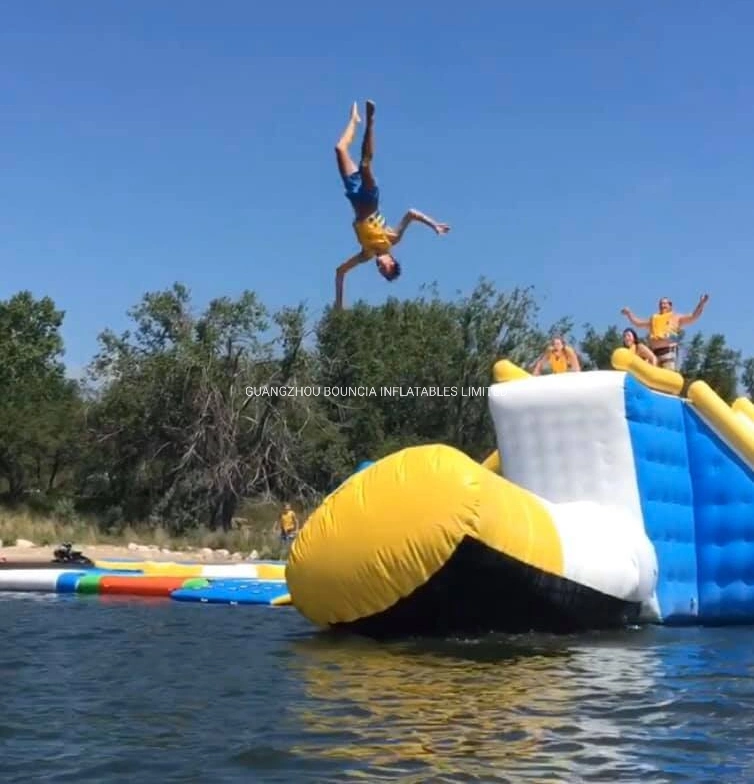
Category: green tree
[166,430]
[713,361]
[430,346]
[747,377]
[181,440]
[597,348]
[40,410]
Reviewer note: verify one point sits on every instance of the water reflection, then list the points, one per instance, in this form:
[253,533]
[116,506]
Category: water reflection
[533,708]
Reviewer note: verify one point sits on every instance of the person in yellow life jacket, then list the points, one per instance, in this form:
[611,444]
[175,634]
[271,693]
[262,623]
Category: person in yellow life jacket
[559,356]
[633,344]
[288,524]
[375,237]
[664,327]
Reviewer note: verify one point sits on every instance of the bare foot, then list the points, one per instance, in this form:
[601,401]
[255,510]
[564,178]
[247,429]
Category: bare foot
[355,113]
[370,110]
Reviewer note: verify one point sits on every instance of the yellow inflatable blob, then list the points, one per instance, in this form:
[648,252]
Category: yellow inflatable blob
[422,531]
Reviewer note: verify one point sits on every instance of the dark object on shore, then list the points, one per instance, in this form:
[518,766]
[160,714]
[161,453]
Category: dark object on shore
[66,555]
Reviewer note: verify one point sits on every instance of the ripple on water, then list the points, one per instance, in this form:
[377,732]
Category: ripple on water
[157,691]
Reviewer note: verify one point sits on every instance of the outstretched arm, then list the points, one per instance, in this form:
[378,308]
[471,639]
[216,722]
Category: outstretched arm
[340,274]
[537,369]
[573,360]
[419,217]
[685,321]
[646,353]
[635,320]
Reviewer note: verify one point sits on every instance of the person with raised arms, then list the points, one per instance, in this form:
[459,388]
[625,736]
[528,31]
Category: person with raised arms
[664,327]
[375,237]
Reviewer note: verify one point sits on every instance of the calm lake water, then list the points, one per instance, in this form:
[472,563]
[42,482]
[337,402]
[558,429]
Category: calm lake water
[126,690]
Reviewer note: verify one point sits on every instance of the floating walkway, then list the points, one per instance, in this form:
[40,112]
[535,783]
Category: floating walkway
[261,583]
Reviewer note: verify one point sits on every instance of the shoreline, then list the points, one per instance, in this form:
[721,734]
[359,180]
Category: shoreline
[25,550]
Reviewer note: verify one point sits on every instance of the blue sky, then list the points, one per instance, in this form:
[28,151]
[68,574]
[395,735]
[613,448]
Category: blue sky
[598,151]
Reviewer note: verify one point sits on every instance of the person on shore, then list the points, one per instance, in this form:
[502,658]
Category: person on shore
[287,524]
[664,327]
[375,237]
[559,357]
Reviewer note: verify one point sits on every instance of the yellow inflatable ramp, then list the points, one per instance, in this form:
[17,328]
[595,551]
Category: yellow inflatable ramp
[427,540]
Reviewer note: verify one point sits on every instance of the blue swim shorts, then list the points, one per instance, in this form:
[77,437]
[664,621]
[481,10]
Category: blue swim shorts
[358,194]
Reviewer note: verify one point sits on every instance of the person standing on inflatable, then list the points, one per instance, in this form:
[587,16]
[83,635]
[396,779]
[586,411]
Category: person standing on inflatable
[375,237]
[664,327]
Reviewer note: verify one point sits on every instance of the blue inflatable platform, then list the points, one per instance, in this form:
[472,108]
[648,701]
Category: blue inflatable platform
[238,591]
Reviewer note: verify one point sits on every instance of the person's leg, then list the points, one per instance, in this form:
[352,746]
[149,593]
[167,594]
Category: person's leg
[346,165]
[367,151]
[666,357]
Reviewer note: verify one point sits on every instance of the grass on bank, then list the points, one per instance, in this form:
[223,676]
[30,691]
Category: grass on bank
[255,530]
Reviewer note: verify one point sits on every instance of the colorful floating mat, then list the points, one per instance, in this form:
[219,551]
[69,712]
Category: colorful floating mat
[172,582]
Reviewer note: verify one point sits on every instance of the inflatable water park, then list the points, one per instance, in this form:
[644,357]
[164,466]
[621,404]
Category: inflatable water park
[614,498]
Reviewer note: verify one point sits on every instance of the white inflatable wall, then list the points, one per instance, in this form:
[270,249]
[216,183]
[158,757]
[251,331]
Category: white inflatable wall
[565,438]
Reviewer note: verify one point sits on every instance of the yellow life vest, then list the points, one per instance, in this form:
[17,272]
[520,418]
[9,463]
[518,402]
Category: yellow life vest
[661,327]
[558,364]
[372,235]
[287,521]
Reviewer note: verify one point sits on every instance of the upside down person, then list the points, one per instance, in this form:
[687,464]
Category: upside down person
[376,238]
[664,327]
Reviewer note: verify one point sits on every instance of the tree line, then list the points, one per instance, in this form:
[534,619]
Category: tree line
[168,426]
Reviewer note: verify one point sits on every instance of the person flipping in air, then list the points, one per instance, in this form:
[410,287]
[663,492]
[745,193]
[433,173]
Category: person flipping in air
[376,238]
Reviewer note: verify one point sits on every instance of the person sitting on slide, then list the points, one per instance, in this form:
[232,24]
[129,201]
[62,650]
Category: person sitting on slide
[375,237]
[633,344]
[559,356]
[664,327]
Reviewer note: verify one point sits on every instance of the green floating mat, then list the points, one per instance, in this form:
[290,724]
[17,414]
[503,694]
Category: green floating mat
[196,582]
[88,584]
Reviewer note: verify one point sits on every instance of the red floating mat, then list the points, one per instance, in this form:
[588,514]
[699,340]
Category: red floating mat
[139,585]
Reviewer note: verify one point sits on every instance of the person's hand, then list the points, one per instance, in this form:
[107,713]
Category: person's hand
[625,311]
[441,228]
[703,299]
